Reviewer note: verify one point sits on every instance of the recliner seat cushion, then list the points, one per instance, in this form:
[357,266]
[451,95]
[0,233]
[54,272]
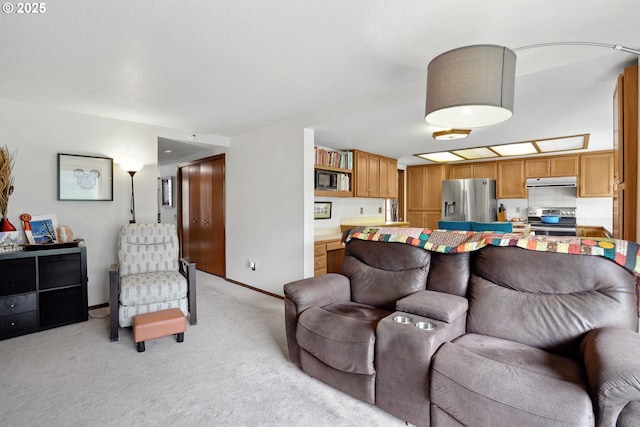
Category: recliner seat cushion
[481,380]
[341,335]
[149,288]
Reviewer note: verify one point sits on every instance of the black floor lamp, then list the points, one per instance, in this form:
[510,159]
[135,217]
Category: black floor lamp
[132,167]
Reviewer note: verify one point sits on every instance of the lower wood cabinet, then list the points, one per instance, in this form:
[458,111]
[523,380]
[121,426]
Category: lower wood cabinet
[327,256]
[42,289]
[424,219]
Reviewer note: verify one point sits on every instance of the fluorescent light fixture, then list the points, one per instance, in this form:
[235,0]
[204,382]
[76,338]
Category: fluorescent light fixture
[475,153]
[469,87]
[451,134]
[441,157]
[541,146]
[518,149]
[577,142]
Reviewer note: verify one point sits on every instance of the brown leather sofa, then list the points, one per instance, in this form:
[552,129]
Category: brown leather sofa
[521,337]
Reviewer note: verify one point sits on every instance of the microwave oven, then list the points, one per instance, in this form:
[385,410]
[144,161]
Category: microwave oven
[326,180]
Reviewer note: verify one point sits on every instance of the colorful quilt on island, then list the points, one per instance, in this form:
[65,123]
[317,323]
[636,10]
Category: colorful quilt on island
[622,252]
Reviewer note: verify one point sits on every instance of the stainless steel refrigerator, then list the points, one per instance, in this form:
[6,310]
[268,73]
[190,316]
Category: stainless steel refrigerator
[469,200]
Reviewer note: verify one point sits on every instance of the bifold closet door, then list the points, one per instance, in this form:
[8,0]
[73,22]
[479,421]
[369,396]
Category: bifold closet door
[203,231]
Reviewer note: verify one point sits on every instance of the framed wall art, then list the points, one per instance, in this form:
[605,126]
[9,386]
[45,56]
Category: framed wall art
[85,177]
[167,191]
[322,210]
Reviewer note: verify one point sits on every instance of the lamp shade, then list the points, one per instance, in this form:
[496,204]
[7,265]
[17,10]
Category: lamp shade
[470,87]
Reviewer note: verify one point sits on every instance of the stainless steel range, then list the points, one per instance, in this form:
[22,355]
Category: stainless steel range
[566,225]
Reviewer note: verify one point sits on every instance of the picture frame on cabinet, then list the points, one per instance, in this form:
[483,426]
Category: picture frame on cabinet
[85,178]
[41,229]
[322,210]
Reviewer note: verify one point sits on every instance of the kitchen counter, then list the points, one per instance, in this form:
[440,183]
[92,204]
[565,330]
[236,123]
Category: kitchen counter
[375,224]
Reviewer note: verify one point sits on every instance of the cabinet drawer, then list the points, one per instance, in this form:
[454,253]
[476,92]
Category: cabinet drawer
[17,304]
[18,276]
[18,324]
[319,249]
[59,270]
[320,262]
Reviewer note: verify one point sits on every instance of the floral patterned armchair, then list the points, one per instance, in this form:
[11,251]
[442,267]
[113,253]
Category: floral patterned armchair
[149,275]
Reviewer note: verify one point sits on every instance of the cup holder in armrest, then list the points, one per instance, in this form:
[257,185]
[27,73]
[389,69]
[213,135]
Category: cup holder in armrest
[427,326]
[405,320]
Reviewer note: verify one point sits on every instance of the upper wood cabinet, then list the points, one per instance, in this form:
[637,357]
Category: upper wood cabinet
[388,178]
[375,176]
[597,175]
[424,186]
[474,170]
[511,180]
[552,166]
[367,174]
[461,171]
[485,170]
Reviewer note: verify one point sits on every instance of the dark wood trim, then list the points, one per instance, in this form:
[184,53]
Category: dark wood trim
[262,291]
[95,307]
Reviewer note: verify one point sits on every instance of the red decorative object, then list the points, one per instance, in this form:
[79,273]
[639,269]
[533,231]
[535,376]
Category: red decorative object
[5,225]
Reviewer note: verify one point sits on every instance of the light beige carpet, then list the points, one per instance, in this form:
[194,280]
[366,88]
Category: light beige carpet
[231,370]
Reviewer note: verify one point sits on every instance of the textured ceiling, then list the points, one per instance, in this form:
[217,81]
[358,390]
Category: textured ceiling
[355,69]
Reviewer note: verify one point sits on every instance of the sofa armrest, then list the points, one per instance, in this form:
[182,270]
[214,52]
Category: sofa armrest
[318,291]
[302,294]
[188,270]
[611,360]
[114,288]
[434,305]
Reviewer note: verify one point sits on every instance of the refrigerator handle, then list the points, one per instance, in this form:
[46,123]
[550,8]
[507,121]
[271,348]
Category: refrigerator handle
[449,208]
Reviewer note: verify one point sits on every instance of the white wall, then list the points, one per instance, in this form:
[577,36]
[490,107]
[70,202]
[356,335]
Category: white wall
[269,200]
[40,133]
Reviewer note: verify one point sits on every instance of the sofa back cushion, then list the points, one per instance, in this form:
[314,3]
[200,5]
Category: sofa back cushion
[382,272]
[449,273]
[547,300]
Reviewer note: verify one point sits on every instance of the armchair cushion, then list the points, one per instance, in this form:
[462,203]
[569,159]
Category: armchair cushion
[341,335]
[144,248]
[490,381]
[153,287]
[613,370]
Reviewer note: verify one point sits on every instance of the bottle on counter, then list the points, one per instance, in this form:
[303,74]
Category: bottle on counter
[502,213]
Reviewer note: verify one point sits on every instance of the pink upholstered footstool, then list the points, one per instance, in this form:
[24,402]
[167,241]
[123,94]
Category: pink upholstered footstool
[158,324]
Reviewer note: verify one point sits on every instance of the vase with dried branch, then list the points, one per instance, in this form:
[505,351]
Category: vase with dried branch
[7,160]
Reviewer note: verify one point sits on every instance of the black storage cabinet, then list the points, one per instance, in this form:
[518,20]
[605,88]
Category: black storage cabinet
[42,289]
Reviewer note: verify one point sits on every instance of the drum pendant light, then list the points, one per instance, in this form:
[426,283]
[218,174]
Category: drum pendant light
[472,86]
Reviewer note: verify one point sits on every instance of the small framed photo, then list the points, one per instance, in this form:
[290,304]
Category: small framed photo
[322,210]
[41,229]
[85,177]
[166,191]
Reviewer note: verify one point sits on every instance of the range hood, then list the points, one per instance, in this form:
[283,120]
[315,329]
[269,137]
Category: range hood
[562,181]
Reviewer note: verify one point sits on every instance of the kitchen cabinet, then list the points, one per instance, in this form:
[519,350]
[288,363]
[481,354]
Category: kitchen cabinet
[485,170]
[591,231]
[327,256]
[474,170]
[319,258]
[367,174]
[388,178]
[42,289]
[597,175]
[552,166]
[424,194]
[511,180]
[375,176]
